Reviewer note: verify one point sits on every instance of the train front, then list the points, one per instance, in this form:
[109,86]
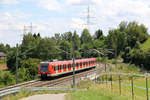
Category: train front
[44,70]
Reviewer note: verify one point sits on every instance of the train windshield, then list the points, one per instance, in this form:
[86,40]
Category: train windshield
[44,67]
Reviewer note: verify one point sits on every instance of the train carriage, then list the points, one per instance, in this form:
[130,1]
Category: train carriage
[56,68]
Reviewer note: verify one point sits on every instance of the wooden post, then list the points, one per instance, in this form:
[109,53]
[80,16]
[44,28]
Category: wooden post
[132,85]
[146,78]
[111,81]
[119,83]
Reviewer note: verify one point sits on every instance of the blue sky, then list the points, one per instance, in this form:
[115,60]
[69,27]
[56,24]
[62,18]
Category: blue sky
[58,16]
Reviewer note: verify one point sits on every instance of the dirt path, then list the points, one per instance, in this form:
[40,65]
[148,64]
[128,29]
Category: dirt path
[46,97]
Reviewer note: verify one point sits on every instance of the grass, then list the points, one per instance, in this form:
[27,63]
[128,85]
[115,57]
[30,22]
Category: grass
[125,68]
[26,93]
[146,45]
[140,94]
[91,91]
[138,81]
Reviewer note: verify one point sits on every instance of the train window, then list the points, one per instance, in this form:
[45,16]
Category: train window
[59,67]
[63,66]
[66,65]
[80,64]
[54,68]
[76,64]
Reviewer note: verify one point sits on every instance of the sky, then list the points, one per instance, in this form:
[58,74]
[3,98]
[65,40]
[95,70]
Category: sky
[58,16]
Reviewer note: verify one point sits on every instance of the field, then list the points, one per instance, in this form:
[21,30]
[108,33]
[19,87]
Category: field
[103,90]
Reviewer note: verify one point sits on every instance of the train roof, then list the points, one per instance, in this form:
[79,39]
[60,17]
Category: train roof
[69,61]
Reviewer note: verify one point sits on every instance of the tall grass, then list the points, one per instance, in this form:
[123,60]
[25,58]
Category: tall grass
[91,91]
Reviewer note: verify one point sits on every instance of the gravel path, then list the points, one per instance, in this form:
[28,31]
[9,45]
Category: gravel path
[46,97]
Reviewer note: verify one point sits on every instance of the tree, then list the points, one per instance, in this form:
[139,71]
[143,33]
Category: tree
[98,34]
[67,36]
[57,38]
[116,40]
[30,43]
[134,31]
[31,67]
[65,49]
[46,50]
[86,37]
[76,41]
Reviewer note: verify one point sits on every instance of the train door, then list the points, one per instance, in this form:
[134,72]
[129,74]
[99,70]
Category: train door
[69,67]
[54,67]
[64,67]
[83,64]
[80,64]
[86,63]
[77,67]
[59,68]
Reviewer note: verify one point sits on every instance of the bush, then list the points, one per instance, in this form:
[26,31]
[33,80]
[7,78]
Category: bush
[6,79]
[30,68]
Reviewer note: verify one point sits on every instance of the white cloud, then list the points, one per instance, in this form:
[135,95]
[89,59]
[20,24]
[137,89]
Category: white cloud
[6,2]
[53,5]
[109,13]
[10,28]
[78,23]
[73,1]
[83,2]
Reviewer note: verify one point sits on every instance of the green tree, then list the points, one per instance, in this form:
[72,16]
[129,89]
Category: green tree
[76,41]
[116,40]
[65,49]
[98,34]
[67,36]
[30,68]
[46,50]
[30,43]
[86,37]
[134,31]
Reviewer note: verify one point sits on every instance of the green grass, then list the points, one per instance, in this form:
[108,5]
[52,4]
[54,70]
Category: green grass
[140,94]
[25,93]
[125,68]
[95,92]
[87,90]
[146,45]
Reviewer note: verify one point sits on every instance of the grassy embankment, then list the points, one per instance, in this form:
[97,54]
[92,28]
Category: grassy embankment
[146,45]
[103,91]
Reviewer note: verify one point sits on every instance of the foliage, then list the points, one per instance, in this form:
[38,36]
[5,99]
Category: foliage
[86,37]
[29,68]
[146,45]
[6,78]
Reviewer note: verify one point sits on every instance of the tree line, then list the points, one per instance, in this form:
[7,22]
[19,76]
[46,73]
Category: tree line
[124,41]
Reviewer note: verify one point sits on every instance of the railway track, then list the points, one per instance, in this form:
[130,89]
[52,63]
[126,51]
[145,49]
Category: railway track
[55,82]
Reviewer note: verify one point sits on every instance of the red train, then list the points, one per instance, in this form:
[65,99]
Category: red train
[61,67]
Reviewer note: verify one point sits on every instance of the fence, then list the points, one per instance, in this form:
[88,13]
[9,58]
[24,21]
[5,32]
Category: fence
[130,80]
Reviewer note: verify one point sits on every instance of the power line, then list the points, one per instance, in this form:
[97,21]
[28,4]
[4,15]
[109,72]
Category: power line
[88,18]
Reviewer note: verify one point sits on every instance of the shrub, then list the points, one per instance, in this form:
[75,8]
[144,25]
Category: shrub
[6,78]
